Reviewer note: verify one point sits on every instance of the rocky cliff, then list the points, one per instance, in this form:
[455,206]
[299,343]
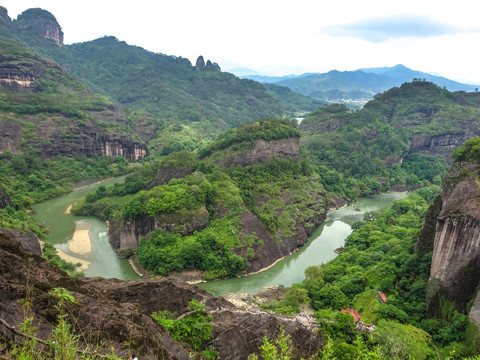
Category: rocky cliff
[114,314]
[47,109]
[442,144]
[35,24]
[55,136]
[259,151]
[275,248]
[127,234]
[452,231]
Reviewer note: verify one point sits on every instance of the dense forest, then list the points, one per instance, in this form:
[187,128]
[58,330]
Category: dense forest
[225,183]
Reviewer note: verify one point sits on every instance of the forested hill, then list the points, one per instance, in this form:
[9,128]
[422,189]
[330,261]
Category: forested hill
[185,104]
[403,136]
[360,85]
[46,110]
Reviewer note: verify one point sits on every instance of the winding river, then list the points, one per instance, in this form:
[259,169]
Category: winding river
[105,263]
[326,238]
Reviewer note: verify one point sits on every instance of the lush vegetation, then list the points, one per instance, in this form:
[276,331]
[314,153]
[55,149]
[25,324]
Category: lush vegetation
[372,147]
[282,194]
[194,329]
[265,129]
[215,247]
[293,103]
[178,109]
[379,256]
[27,180]
[470,151]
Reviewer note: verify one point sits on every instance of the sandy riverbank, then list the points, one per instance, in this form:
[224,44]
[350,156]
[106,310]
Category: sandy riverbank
[84,263]
[81,243]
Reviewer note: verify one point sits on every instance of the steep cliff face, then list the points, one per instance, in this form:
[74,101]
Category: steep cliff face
[455,268]
[273,249]
[33,24]
[47,109]
[115,314]
[69,140]
[127,234]
[260,151]
[440,144]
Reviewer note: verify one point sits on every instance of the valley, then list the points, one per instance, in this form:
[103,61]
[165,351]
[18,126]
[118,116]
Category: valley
[198,171]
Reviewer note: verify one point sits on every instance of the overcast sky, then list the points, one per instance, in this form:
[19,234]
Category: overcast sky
[285,37]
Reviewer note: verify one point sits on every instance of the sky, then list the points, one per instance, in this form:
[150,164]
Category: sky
[285,37]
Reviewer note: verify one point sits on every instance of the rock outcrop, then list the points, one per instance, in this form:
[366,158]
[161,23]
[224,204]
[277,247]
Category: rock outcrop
[95,128]
[272,249]
[85,139]
[127,234]
[261,151]
[200,64]
[440,144]
[38,23]
[110,313]
[455,216]
[28,240]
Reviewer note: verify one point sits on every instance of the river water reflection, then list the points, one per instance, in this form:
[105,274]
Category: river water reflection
[104,261]
[327,237]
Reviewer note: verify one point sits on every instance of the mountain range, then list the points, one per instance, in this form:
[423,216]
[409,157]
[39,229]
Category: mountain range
[356,86]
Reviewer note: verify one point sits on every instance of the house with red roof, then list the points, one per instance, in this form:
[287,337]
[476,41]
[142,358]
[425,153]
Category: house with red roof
[356,315]
[383,297]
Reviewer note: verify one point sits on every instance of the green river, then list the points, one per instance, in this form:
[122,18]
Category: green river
[326,238]
[105,263]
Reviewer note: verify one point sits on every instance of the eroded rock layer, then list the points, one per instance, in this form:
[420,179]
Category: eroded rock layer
[110,313]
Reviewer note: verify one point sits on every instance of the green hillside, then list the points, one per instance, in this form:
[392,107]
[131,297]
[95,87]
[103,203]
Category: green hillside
[201,103]
[403,136]
[294,103]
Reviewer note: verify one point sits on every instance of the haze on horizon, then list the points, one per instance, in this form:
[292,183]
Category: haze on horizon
[284,37]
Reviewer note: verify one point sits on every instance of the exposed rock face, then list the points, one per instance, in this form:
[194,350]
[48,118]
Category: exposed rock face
[38,22]
[22,76]
[113,313]
[262,150]
[28,240]
[85,139]
[127,234]
[5,200]
[237,336]
[271,250]
[455,268]
[440,144]
[200,64]
[167,173]
[59,132]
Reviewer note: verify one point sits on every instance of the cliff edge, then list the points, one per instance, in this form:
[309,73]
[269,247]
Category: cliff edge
[452,232]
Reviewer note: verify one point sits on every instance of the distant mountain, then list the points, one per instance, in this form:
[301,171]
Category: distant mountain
[270,79]
[242,72]
[404,74]
[293,103]
[360,85]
